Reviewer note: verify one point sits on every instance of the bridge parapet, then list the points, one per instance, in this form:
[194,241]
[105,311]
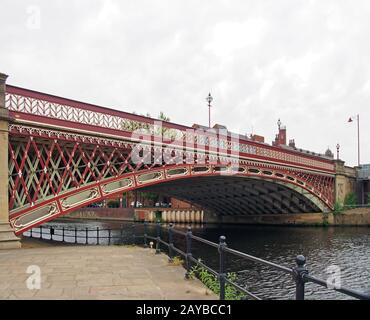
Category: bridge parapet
[46,110]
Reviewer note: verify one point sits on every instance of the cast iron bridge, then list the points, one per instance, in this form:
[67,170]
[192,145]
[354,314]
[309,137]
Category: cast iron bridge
[65,154]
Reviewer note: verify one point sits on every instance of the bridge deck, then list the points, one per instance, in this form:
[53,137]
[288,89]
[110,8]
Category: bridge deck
[115,272]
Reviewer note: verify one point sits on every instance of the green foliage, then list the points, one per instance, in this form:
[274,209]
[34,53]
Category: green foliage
[153,197]
[212,283]
[325,223]
[113,204]
[163,117]
[368,199]
[338,208]
[158,216]
[177,261]
[350,200]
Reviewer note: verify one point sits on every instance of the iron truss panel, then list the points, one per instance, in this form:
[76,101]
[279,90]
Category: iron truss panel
[51,174]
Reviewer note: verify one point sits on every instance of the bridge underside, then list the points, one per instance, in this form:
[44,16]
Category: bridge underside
[238,195]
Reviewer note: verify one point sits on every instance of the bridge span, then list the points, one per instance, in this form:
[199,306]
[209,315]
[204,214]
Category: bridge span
[58,155]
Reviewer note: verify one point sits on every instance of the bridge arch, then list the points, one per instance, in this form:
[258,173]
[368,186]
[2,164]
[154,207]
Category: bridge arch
[229,189]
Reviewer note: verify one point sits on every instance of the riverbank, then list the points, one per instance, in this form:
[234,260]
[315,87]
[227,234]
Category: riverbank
[94,273]
[354,217]
[359,217]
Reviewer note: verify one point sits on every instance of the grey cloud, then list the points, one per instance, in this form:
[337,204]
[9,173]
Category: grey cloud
[306,62]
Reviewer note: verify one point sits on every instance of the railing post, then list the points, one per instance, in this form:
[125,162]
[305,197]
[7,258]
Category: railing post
[97,235]
[145,234]
[63,234]
[31,233]
[170,243]
[40,232]
[109,236]
[188,252]
[51,233]
[157,247]
[75,234]
[121,235]
[299,272]
[87,235]
[222,275]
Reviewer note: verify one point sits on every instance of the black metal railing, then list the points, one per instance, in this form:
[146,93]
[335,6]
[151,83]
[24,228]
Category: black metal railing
[299,273]
[85,235]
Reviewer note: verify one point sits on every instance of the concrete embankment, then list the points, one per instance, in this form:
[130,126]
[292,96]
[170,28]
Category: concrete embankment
[177,215]
[354,217]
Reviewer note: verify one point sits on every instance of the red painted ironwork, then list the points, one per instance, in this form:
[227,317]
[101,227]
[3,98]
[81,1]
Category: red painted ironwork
[43,109]
[48,171]
[54,171]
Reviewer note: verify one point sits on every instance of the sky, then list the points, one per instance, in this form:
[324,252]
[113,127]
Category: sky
[306,62]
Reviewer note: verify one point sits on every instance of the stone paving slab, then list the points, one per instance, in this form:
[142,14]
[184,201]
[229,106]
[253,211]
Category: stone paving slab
[96,272]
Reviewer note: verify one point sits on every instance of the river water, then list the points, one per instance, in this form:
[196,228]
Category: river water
[343,249]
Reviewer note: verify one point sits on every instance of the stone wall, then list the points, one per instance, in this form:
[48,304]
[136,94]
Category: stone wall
[355,217]
[123,214]
[345,180]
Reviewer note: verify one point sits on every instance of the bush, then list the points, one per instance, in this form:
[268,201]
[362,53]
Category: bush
[113,204]
[177,261]
[338,208]
[350,200]
[212,283]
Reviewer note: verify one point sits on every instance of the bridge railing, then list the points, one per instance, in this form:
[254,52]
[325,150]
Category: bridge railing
[28,105]
[130,235]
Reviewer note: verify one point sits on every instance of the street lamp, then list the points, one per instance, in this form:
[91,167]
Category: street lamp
[351,119]
[338,147]
[209,99]
[279,124]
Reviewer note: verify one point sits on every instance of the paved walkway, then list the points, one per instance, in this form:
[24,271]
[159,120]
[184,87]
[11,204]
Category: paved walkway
[95,272]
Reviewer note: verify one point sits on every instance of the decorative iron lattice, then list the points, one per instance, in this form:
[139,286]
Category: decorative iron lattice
[53,172]
[50,176]
[24,101]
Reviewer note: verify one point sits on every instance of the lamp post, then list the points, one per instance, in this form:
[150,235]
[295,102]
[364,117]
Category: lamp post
[338,147]
[351,119]
[209,100]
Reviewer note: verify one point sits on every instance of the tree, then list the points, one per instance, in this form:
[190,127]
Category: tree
[163,117]
[113,204]
[150,197]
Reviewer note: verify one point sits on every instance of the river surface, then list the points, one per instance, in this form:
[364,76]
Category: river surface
[345,248]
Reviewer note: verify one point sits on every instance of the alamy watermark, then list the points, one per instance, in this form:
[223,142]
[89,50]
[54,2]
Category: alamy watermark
[334,280]
[33,20]
[33,282]
[157,145]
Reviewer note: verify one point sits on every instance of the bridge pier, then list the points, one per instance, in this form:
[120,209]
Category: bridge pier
[8,240]
[345,180]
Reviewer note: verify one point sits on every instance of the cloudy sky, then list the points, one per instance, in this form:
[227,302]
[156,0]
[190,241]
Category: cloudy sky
[306,62]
